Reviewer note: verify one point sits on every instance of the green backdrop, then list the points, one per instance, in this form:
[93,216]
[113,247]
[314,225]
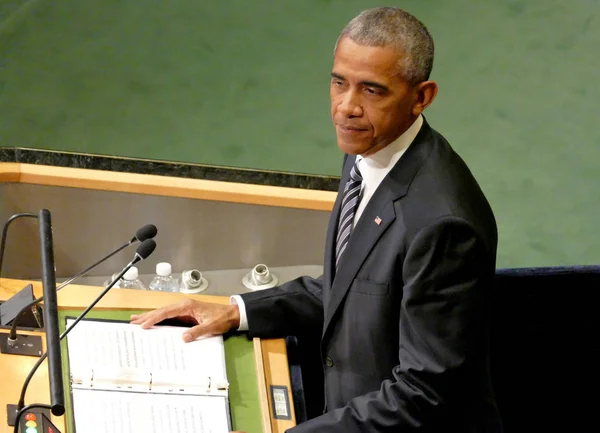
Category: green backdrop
[244,83]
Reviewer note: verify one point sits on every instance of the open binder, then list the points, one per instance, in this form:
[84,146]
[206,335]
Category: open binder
[124,378]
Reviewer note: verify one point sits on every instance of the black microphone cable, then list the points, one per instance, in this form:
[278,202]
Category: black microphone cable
[5,233]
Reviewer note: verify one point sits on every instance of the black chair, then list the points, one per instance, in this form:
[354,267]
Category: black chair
[545,355]
[545,352]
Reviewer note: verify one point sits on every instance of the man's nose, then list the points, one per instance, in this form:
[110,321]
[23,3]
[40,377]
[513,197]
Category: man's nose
[350,105]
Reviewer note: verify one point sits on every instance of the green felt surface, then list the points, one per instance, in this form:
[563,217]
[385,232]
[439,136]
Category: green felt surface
[241,371]
[245,84]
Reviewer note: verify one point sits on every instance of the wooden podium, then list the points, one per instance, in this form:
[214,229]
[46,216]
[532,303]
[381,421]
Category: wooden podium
[270,356]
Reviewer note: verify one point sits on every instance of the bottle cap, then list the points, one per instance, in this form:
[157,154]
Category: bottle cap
[163,269]
[131,274]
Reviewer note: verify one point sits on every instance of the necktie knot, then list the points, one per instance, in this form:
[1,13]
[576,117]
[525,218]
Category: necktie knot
[355,173]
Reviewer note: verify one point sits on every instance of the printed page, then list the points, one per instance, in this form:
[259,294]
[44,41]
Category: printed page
[112,347]
[96,411]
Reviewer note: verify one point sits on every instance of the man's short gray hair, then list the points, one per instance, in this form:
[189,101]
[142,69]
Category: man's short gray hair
[388,26]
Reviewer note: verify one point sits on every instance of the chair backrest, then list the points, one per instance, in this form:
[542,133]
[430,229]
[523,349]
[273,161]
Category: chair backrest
[545,355]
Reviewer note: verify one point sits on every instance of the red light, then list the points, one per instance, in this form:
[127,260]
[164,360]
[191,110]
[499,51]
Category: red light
[30,417]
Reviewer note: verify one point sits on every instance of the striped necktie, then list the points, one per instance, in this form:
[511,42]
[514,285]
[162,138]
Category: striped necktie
[349,206]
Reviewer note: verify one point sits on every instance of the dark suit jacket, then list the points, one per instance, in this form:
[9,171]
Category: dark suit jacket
[404,321]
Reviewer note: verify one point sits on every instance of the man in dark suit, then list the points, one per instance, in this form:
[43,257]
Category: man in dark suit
[401,309]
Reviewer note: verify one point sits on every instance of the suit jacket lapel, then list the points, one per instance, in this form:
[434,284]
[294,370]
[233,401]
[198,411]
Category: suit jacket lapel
[375,219]
[362,240]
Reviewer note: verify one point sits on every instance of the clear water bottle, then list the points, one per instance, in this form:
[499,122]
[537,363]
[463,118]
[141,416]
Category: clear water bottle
[110,280]
[164,281]
[131,280]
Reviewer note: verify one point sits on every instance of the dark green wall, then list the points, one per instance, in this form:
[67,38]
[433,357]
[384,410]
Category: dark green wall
[245,83]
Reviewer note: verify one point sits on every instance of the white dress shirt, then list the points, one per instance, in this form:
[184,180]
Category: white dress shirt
[373,169]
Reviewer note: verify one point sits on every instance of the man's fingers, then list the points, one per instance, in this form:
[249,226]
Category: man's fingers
[213,326]
[196,331]
[209,319]
[151,318]
[138,318]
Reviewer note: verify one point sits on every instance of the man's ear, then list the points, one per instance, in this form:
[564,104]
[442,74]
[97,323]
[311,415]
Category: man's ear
[426,92]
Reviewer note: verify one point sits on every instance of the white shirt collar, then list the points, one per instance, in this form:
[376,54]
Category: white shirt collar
[376,166]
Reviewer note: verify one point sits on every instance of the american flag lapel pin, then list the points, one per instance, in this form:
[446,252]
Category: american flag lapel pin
[377,220]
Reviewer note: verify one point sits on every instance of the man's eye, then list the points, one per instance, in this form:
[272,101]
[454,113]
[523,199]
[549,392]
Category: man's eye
[371,91]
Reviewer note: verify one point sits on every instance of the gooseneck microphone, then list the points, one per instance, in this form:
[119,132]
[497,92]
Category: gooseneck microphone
[143,233]
[146,232]
[57,395]
[142,252]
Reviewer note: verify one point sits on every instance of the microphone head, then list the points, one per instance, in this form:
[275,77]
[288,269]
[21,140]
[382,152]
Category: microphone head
[146,232]
[145,249]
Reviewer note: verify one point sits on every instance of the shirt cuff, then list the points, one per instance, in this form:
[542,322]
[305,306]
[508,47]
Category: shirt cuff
[237,299]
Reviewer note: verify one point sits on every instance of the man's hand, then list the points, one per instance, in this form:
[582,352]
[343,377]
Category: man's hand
[210,319]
